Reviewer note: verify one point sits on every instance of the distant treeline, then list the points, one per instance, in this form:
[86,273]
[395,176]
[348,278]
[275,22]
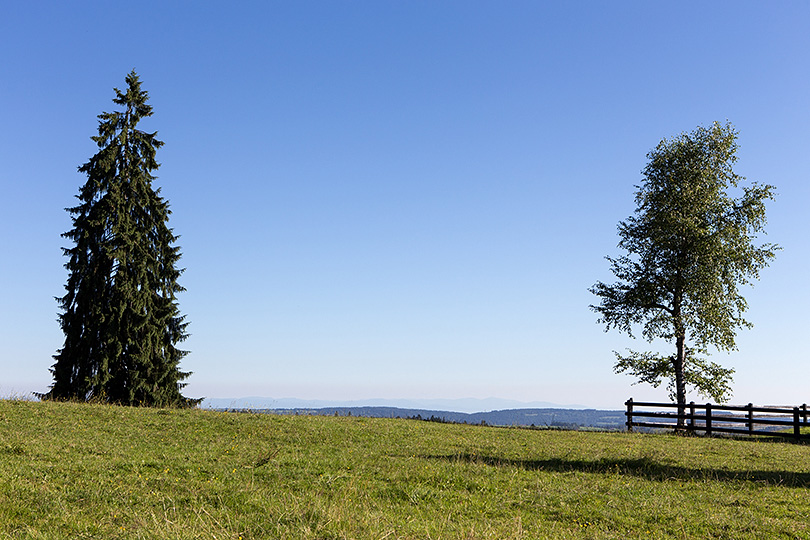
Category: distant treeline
[539,418]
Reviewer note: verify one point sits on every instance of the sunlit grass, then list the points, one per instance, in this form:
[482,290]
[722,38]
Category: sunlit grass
[89,471]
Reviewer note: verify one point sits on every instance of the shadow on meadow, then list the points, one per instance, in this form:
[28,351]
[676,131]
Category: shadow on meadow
[643,467]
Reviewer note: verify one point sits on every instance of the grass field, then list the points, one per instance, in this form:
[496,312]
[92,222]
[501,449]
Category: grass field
[88,471]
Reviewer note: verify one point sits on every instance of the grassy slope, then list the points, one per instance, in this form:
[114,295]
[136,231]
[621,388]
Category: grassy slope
[87,471]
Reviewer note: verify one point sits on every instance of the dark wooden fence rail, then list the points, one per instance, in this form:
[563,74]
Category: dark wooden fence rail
[744,420]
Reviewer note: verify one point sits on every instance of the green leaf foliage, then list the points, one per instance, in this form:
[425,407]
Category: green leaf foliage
[709,378]
[119,314]
[688,248]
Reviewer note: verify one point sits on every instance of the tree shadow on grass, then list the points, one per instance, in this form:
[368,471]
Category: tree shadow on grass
[643,467]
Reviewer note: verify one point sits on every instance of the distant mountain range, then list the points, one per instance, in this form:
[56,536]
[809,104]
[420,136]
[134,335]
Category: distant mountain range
[467,405]
[553,417]
[550,418]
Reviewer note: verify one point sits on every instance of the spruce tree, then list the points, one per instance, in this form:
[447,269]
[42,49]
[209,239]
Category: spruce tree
[120,315]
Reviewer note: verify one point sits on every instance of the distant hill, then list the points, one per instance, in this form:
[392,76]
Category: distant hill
[543,417]
[464,405]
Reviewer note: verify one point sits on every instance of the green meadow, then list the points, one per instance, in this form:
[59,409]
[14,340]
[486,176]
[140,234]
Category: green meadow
[95,471]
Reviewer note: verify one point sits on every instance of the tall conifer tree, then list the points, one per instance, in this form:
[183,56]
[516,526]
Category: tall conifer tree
[119,315]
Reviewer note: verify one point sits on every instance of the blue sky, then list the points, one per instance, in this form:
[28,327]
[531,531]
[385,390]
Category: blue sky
[403,199]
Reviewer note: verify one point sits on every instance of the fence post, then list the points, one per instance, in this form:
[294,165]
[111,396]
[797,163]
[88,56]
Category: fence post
[708,419]
[750,418]
[692,416]
[796,427]
[804,412]
[629,415]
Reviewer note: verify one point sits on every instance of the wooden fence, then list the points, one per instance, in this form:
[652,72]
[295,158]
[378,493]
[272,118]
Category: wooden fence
[741,420]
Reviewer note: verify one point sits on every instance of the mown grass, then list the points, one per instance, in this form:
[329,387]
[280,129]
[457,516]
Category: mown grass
[90,471]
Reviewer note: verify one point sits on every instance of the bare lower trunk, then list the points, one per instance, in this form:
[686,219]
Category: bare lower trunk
[679,361]
[680,385]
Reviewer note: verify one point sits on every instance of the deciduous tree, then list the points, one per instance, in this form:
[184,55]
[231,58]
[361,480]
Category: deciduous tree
[690,245]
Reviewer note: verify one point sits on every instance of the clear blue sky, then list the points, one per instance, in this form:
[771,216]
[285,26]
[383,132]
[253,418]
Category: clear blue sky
[403,199]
